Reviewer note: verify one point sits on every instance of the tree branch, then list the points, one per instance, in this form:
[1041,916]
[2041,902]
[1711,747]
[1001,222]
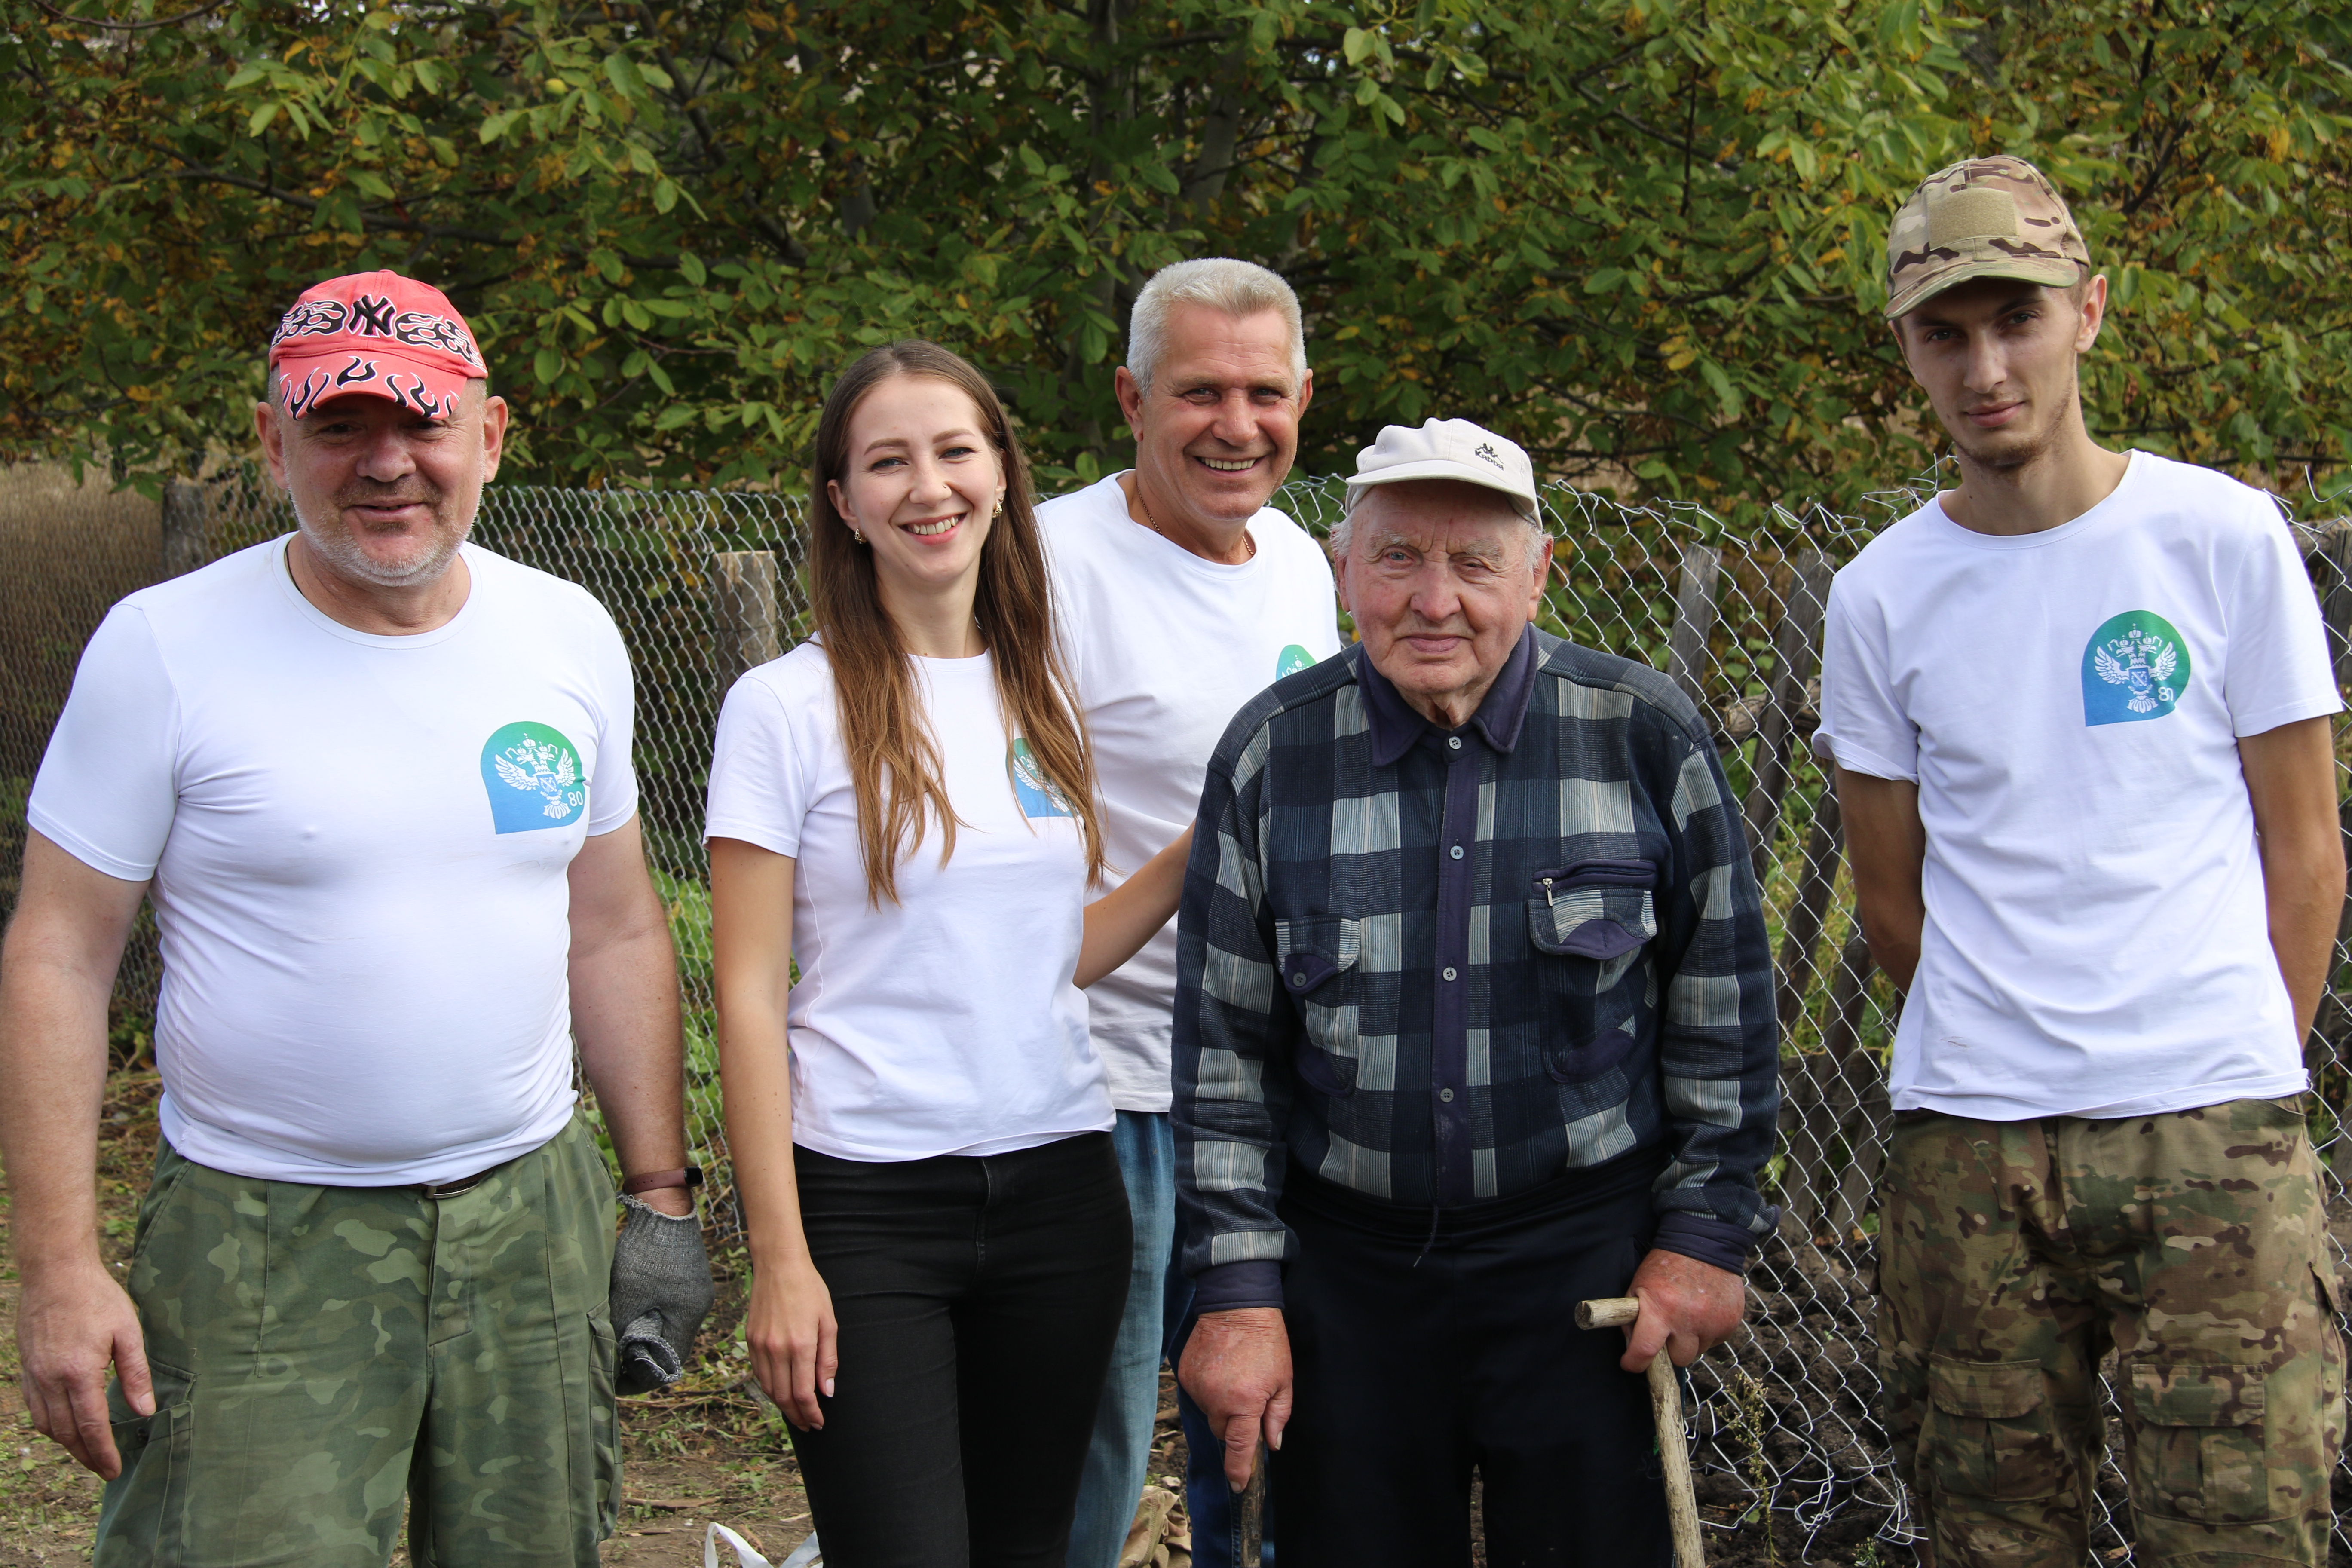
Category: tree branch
[375,225]
[129,26]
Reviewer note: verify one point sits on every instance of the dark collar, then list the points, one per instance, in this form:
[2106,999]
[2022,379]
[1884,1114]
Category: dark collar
[1395,726]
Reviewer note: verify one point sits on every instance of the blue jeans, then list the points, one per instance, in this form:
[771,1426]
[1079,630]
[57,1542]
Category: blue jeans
[1157,1320]
[1118,1462]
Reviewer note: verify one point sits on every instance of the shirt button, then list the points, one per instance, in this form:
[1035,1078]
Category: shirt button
[1449,972]
[1299,977]
[1457,852]
[1446,1095]
[1454,742]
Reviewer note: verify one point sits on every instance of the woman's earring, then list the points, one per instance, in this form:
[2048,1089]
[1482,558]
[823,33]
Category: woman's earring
[1000,506]
[854,534]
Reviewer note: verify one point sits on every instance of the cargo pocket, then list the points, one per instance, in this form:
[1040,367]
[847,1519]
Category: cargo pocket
[145,1515]
[1316,957]
[1589,924]
[1987,1432]
[2198,1448]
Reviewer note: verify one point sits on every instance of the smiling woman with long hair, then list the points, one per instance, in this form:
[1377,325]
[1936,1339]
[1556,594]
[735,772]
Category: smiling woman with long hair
[906,806]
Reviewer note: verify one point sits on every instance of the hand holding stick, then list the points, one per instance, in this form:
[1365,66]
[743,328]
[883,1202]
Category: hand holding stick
[1666,1409]
[1249,1517]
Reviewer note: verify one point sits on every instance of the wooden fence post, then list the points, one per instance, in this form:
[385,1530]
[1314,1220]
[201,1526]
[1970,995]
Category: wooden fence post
[1795,641]
[184,527]
[1801,932]
[743,604]
[1693,621]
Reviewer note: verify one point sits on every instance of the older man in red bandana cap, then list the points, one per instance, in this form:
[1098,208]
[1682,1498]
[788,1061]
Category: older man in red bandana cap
[377,783]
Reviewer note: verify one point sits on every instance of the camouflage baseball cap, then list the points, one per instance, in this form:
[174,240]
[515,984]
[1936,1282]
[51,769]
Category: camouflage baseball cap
[1984,217]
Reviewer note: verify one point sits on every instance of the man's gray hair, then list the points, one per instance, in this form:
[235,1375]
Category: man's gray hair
[1343,532]
[1222,284]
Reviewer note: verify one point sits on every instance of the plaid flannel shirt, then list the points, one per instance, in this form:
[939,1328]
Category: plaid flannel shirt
[1435,967]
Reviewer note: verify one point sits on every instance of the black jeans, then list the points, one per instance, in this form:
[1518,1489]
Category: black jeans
[978,1299]
[1417,1358]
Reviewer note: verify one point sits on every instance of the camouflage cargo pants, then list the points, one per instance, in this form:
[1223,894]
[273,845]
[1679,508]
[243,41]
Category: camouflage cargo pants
[321,1352]
[2014,1255]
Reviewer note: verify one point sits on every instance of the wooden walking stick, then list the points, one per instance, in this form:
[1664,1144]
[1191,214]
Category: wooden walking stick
[1666,1409]
[1249,1517]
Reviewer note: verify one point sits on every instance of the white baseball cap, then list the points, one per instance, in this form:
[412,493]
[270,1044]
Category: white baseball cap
[1448,449]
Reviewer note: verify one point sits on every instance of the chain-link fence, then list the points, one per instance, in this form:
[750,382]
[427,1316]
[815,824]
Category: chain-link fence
[704,584]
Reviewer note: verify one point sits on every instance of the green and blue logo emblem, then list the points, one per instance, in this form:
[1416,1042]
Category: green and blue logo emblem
[2136,667]
[534,777]
[1291,661]
[1038,795]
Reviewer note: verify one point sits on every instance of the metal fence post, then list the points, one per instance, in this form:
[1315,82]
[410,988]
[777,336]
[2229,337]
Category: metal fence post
[743,604]
[184,527]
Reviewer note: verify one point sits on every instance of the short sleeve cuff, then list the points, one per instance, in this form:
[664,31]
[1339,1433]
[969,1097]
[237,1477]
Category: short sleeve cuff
[759,834]
[1856,759]
[602,822]
[83,850]
[1715,1242]
[2263,720]
[1231,1287]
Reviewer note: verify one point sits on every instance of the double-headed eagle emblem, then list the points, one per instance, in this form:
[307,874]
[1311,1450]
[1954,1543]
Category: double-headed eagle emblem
[2140,662]
[549,769]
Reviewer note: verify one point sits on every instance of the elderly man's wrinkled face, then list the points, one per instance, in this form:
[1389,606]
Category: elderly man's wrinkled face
[1441,579]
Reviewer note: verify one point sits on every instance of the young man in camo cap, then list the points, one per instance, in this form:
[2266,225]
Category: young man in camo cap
[2079,707]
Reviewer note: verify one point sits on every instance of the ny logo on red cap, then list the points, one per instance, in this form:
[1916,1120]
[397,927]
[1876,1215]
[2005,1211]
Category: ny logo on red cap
[373,315]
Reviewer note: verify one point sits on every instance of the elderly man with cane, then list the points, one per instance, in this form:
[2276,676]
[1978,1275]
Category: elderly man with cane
[1474,1022]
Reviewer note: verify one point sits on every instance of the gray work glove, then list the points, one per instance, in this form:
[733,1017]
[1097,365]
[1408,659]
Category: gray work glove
[661,1293]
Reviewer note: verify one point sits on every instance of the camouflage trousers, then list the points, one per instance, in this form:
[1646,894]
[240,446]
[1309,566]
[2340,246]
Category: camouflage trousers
[2014,1255]
[319,1354]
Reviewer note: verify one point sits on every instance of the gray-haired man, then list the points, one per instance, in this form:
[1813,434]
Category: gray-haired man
[1474,1018]
[1182,594]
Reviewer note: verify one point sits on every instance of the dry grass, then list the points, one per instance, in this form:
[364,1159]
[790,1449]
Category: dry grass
[67,553]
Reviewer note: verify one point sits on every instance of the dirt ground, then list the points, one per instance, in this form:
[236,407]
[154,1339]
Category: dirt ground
[710,1449]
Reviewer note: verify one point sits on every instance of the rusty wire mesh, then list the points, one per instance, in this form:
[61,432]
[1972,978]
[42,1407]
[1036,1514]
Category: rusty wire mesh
[1783,1418]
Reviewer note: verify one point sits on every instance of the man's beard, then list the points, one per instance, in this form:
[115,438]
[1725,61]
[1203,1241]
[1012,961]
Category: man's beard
[2007,451]
[2019,451]
[333,543]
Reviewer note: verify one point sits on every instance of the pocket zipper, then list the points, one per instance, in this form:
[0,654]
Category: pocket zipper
[1601,877]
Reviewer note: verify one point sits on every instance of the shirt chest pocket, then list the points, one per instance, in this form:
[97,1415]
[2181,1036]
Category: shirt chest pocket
[1590,924]
[1318,959]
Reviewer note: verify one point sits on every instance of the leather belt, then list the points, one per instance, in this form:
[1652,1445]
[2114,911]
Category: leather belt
[461,1186]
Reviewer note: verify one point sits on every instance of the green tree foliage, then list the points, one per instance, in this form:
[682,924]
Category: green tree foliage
[1644,236]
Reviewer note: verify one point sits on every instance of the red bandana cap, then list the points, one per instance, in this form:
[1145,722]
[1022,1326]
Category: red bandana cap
[378,333]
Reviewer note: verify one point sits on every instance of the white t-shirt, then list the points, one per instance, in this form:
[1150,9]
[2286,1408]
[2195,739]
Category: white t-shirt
[360,847]
[2070,703]
[946,1022]
[1166,647]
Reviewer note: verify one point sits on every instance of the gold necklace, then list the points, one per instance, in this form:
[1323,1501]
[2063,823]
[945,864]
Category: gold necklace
[1248,538]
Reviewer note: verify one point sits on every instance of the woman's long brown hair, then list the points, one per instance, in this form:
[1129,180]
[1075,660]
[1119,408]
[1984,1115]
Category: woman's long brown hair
[894,759]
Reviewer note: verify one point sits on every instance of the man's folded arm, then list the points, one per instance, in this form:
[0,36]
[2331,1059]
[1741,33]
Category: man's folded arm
[1232,1057]
[1718,1039]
